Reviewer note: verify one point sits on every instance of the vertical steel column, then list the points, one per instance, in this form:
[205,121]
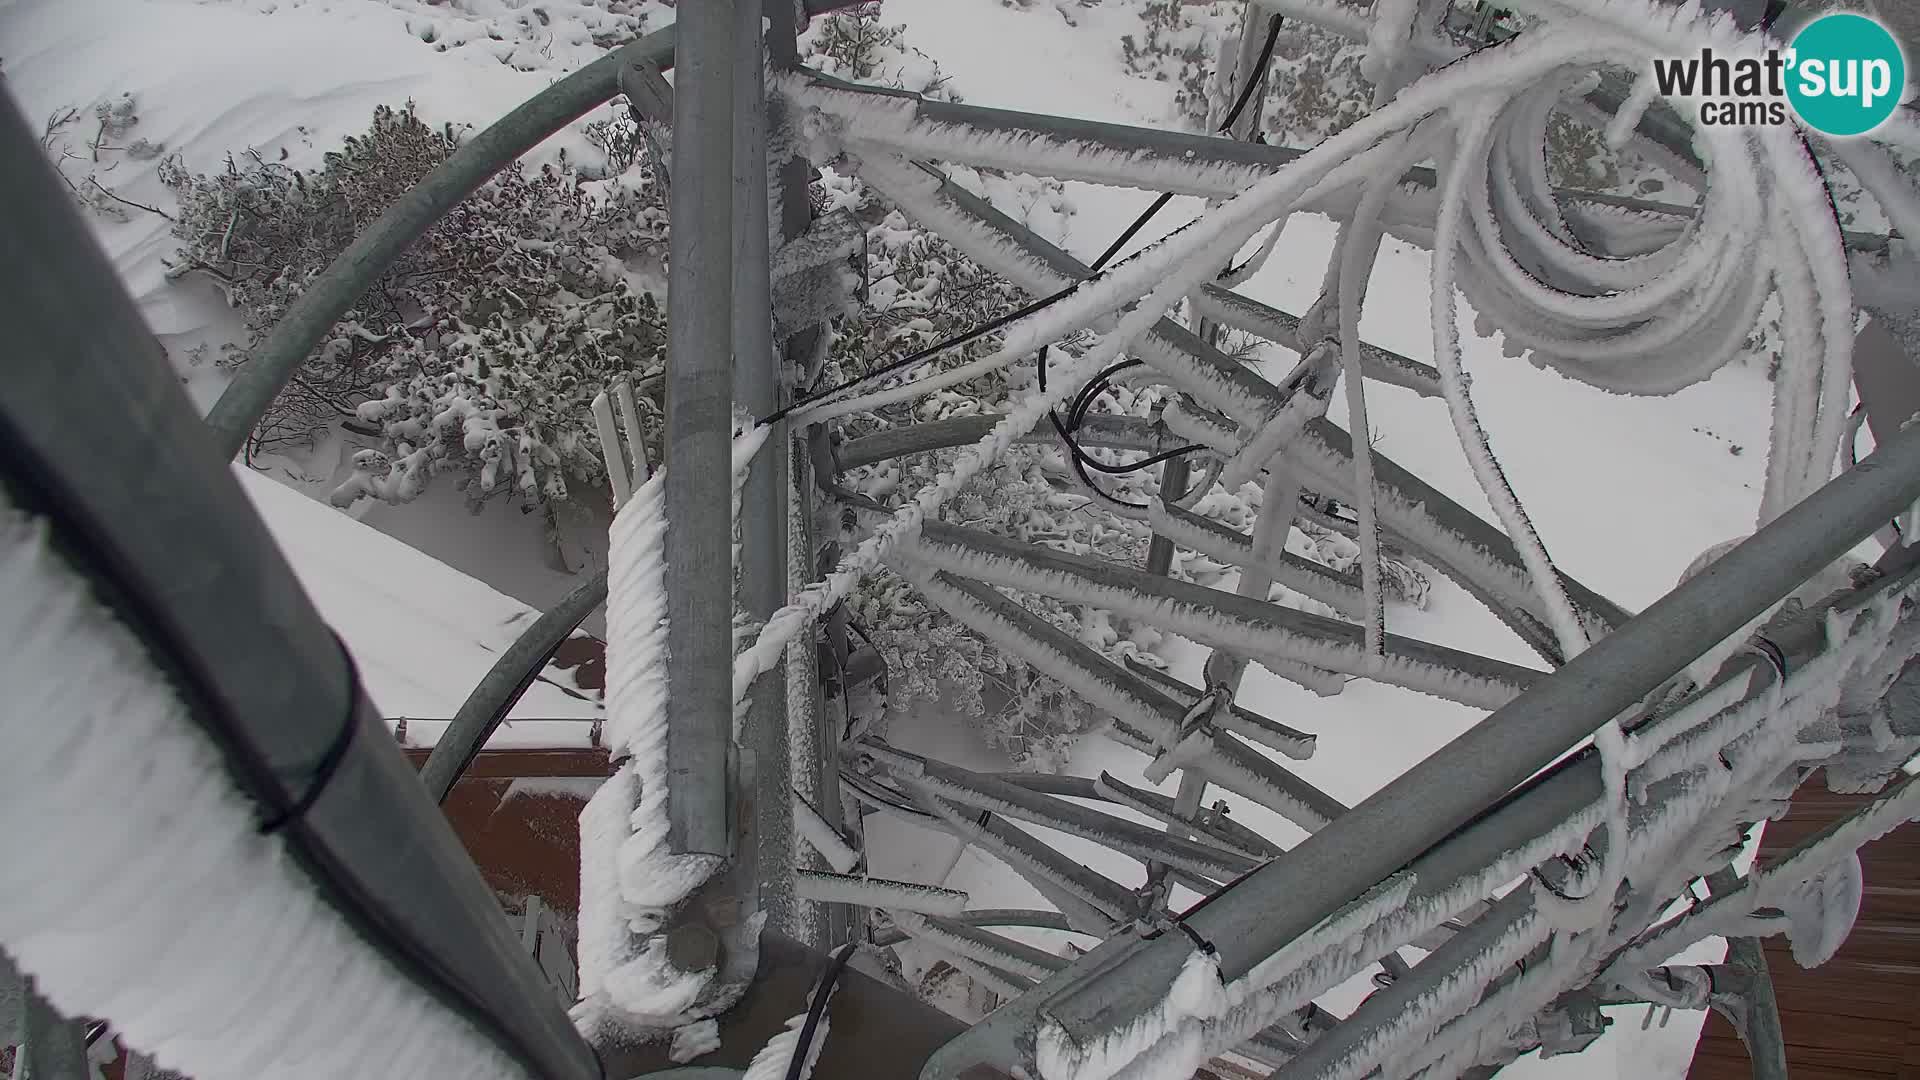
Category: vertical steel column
[815,751]
[698,444]
[1747,964]
[765,855]
[1175,476]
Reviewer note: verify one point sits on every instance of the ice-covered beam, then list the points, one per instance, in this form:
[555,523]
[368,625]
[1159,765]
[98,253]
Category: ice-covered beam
[987,947]
[985,792]
[1103,430]
[1028,917]
[871,119]
[1241,721]
[1248,315]
[1338,591]
[1219,618]
[1221,829]
[1144,719]
[872,892]
[1416,517]
[1092,903]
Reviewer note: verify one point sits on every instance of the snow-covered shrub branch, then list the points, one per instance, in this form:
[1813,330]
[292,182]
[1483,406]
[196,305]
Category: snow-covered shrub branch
[107,139]
[484,344]
[856,44]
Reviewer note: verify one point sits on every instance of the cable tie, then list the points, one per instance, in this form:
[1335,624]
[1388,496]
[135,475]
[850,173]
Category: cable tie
[329,764]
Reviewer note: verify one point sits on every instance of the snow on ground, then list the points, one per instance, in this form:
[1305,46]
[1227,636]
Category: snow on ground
[293,78]
[421,633]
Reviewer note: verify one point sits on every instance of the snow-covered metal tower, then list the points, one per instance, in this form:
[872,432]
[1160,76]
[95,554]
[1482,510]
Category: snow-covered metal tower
[1498,894]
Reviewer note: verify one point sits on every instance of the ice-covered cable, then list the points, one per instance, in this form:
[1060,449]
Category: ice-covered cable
[161,906]
[1358,249]
[1572,636]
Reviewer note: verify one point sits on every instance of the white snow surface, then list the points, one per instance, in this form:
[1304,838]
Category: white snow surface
[214,954]
[421,633]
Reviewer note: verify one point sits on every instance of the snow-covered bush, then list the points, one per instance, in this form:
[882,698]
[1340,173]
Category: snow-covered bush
[918,290]
[1179,43]
[855,44]
[482,346]
[112,124]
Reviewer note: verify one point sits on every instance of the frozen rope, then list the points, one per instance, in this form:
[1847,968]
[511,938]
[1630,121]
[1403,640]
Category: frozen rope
[1358,250]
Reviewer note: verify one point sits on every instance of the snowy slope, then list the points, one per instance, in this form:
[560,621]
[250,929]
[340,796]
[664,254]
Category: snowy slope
[421,633]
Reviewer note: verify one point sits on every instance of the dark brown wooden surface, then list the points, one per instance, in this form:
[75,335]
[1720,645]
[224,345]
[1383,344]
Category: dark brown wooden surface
[526,841]
[1856,1017]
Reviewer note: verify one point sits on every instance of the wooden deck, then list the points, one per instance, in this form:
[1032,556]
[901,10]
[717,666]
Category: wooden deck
[1857,1017]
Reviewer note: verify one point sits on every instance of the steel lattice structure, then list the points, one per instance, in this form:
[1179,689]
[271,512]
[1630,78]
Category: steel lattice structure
[1604,782]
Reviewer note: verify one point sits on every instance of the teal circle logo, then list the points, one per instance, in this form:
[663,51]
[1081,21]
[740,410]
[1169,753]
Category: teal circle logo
[1846,74]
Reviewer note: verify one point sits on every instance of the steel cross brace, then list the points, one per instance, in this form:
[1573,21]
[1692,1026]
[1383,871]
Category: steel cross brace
[1480,555]
[879,119]
[1461,791]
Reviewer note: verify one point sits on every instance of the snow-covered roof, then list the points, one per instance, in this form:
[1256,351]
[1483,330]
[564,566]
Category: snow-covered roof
[421,632]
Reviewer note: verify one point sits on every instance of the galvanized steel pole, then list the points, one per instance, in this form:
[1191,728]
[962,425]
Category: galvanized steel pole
[765,858]
[698,444]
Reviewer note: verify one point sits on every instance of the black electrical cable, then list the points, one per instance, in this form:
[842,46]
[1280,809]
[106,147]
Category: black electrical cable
[822,990]
[1083,401]
[936,348]
[1077,412]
